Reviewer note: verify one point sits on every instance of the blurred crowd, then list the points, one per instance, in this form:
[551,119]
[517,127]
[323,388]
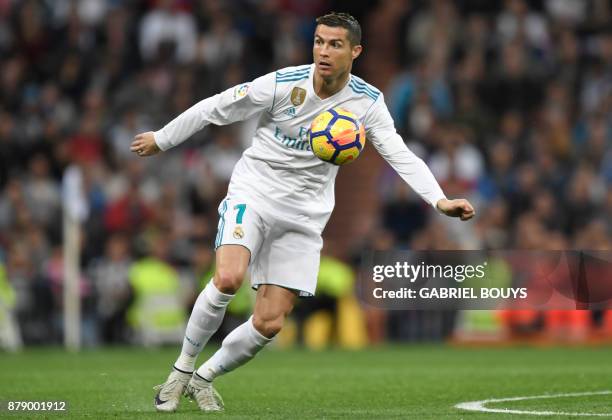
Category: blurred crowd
[509,103]
[512,108]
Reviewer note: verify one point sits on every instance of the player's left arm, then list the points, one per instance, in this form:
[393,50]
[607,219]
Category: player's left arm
[380,130]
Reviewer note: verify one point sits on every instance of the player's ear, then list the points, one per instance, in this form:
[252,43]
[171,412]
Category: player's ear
[356,51]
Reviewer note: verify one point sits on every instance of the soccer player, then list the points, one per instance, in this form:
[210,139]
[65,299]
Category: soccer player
[279,199]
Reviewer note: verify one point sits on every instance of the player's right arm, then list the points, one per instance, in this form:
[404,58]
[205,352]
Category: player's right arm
[235,104]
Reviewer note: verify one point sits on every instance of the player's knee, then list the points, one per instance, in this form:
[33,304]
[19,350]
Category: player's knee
[228,280]
[268,326]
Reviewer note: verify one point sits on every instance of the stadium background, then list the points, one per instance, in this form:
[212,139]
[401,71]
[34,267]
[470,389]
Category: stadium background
[509,103]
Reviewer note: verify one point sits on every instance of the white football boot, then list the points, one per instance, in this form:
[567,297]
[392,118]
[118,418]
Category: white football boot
[204,394]
[169,393]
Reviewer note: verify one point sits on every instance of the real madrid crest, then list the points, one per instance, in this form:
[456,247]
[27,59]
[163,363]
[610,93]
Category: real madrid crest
[238,232]
[297,96]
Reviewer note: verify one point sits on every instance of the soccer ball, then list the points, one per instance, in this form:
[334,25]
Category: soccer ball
[337,136]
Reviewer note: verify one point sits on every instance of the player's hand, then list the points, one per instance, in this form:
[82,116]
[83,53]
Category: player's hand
[144,144]
[460,208]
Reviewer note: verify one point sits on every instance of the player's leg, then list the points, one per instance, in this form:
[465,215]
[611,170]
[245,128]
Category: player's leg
[238,238]
[208,312]
[207,315]
[272,306]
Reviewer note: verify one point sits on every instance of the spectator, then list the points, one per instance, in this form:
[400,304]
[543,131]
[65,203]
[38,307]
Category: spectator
[168,32]
[156,314]
[41,192]
[109,275]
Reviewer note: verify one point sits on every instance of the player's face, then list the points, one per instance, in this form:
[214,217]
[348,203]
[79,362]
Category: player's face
[332,52]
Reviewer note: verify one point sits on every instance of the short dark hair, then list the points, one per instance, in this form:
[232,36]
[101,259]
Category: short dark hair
[343,20]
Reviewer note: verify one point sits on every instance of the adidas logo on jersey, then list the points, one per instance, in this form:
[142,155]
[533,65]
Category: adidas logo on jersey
[290,112]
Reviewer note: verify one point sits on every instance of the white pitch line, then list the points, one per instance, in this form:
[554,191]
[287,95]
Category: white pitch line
[480,405]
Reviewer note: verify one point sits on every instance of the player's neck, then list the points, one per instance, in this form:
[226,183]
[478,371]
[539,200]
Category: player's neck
[326,87]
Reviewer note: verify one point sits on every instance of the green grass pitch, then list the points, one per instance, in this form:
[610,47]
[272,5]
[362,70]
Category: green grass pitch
[416,382]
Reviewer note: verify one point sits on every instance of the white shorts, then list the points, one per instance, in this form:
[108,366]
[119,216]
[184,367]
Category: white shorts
[285,251]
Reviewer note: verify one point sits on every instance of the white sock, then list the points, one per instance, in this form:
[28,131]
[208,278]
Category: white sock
[205,319]
[240,346]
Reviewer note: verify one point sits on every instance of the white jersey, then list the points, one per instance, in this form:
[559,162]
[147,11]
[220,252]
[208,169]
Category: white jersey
[279,170]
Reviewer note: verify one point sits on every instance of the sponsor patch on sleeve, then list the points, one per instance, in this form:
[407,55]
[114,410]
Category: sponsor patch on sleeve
[241,91]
